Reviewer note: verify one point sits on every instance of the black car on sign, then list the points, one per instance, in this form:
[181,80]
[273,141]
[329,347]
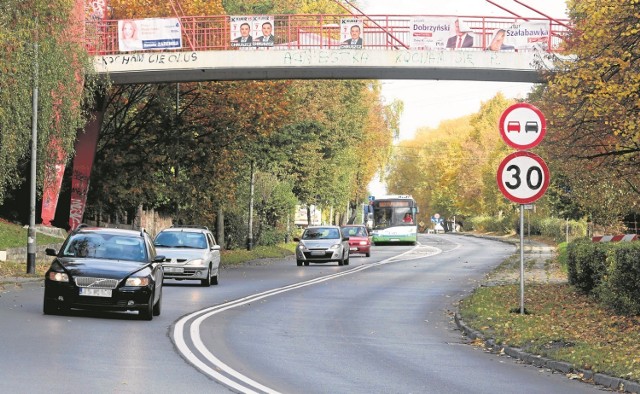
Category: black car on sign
[105,269]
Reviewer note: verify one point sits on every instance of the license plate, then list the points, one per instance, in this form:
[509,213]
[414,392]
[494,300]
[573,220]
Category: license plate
[317,253]
[95,292]
[353,248]
[174,270]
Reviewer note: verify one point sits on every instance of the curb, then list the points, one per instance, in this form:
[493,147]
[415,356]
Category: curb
[566,368]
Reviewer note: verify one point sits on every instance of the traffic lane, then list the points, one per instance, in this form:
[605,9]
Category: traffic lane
[384,329]
[117,352]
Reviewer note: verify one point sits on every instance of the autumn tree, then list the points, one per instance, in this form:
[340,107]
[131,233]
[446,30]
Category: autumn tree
[40,49]
[592,102]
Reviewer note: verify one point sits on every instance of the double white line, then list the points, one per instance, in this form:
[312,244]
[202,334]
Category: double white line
[210,365]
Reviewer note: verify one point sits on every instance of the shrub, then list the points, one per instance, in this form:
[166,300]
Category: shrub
[586,264]
[490,224]
[621,291]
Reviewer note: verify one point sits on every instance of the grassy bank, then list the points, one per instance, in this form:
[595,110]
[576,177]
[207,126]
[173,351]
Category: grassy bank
[560,324]
[15,236]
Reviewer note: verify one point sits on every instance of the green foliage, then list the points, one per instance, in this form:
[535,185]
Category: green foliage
[240,256]
[61,63]
[610,271]
[621,288]
[587,264]
[15,236]
[553,228]
[489,224]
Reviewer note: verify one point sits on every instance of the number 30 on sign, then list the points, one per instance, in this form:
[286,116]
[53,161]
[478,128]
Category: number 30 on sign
[523,177]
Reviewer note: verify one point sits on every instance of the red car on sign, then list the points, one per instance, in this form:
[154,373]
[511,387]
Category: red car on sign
[359,242]
[513,126]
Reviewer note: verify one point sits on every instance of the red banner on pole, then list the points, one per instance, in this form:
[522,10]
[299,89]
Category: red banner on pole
[86,143]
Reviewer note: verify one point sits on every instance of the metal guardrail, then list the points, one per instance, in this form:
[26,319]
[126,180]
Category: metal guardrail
[380,32]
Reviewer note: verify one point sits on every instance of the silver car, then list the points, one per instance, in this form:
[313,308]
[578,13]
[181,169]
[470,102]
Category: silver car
[190,253]
[322,244]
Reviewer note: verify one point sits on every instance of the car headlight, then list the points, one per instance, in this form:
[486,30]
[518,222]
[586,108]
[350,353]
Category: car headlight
[302,247]
[58,277]
[137,281]
[335,246]
[363,242]
[196,262]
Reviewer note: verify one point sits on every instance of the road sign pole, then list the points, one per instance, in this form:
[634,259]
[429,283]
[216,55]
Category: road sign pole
[522,259]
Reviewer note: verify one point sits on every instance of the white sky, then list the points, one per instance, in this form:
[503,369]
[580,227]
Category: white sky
[426,102]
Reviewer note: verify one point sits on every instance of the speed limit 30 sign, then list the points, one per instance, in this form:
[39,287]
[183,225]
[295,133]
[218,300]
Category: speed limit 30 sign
[523,177]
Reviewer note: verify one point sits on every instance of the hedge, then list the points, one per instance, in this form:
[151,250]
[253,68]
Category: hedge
[608,271]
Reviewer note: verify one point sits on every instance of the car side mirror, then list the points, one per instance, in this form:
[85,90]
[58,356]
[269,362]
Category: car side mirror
[215,247]
[345,238]
[51,252]
[159,259]
[296,239]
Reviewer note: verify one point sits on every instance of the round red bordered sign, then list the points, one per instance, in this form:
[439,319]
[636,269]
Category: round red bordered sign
[523,177]
[522,126]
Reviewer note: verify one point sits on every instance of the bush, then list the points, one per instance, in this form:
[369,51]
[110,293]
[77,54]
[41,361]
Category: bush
[490,224]
[621,291]
[586,264]
[553,228]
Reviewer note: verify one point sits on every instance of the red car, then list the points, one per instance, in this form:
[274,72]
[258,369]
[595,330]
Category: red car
[359,241]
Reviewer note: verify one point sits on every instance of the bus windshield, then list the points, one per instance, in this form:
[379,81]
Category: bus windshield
[387,217]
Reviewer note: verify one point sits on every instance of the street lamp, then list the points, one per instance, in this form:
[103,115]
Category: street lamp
[31,235]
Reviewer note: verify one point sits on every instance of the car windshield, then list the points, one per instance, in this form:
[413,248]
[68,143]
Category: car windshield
[105,246]
[321,233]
[181,239]
[355,231]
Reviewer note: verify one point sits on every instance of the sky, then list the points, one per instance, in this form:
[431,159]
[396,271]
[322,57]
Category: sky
[426,102]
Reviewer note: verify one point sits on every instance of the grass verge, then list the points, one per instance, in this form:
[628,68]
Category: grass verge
[15,236]
[561,324]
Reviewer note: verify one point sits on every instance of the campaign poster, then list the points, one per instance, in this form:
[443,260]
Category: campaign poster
[148,34]
[520,37]
[252,31]
[351,33]
[263,28]
[430,33]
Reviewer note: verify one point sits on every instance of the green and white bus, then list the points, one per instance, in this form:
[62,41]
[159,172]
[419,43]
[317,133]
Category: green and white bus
[394,220]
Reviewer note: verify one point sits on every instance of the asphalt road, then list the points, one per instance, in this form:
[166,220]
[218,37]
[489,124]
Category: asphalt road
[380,325]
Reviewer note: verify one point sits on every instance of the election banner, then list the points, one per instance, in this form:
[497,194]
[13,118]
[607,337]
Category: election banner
[150,33]
[520,37]
[430,33]
[351,33]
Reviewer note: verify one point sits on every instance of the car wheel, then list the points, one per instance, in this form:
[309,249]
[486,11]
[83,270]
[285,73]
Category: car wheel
[206,282]
[146,312]
[158,305]
[341,261]
[299,263]
[346,261]
[214,279]
[368,254]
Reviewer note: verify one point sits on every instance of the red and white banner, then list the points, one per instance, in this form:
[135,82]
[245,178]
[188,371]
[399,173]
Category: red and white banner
[616,238]
[86,143]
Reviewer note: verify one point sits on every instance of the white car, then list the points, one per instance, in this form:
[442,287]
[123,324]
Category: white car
[322,244]
[191,253]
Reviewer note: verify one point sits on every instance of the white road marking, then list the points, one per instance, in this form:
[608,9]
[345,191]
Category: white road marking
[238,381]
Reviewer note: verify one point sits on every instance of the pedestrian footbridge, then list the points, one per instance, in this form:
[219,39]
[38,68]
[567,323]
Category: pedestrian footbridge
[312,47]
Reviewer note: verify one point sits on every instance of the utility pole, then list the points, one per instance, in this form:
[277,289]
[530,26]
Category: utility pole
[31,236]
[251,187]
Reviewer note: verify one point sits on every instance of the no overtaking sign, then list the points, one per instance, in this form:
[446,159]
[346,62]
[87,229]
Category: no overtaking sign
[522,126]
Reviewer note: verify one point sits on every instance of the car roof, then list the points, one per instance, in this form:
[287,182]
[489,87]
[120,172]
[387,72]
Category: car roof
[108,230]
[327,226]
[185,229]
[354,225]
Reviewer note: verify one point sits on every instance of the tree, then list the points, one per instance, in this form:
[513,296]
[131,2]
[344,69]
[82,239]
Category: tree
[592,102]
[42,33]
